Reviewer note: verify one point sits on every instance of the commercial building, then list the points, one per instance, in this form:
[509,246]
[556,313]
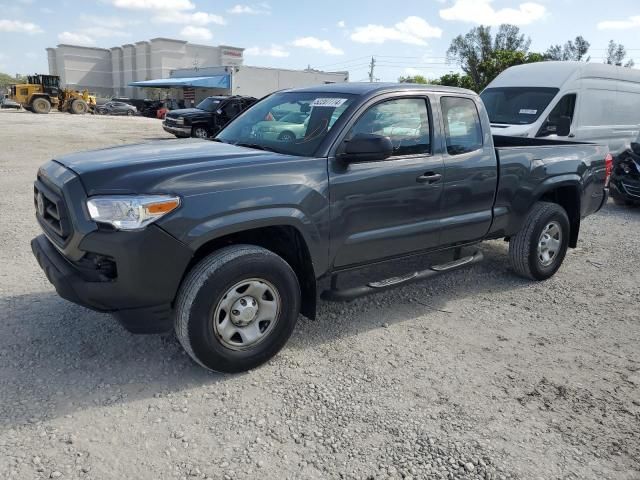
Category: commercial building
[108,72]
[195,84]
[191,72]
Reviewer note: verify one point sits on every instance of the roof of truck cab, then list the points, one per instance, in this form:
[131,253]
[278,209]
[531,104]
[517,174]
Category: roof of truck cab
[366,88]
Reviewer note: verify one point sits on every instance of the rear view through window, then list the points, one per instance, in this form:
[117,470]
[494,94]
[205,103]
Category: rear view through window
[294,123]
[516,105]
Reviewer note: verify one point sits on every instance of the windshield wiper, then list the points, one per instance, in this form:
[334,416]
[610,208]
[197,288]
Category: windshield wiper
[218,140]
[255,146]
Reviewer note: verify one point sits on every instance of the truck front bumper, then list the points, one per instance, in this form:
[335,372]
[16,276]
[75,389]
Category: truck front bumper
[147,270]
[182,132]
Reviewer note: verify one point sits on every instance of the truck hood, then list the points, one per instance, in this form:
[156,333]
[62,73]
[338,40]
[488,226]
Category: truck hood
[155,166]
[188,113]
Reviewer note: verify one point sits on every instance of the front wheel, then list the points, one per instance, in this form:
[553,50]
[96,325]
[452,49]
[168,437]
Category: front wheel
[539,248]
[199,132]
[237,308]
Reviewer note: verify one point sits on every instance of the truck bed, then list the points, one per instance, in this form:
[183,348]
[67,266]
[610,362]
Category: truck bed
[527,166]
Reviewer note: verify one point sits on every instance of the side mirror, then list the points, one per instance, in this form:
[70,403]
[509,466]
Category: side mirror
[367,147]
[564,126]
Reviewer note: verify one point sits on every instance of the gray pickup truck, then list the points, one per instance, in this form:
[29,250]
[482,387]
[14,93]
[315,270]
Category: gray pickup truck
[227,241]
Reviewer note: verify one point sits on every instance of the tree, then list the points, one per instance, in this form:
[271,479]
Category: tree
[6,80]
[454,80]
[413,79]
[500,60]
[616,54]
[572,50]
[477,46]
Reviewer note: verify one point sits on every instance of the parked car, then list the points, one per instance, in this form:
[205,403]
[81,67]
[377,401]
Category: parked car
[290,127]
[625,177]
[8,103]
[207,118]
[116,108]
[588,102]
[228,241]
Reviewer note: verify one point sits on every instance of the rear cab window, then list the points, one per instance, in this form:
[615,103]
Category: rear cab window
[463,131]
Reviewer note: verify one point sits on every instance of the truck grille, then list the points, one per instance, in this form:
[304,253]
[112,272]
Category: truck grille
[633,190]
[170,122]
[51,212]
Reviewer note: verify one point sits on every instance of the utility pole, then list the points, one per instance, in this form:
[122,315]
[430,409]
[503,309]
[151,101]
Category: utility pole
[371,67]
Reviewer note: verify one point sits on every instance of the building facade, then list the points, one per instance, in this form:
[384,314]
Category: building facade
[108,72]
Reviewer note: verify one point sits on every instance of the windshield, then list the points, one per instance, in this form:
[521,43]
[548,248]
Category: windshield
[209,104]
[516,105]
[294,123]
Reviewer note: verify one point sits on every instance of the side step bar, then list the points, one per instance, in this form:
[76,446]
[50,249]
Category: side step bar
[340,295]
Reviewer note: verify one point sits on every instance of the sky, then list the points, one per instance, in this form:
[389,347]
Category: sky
[406,37]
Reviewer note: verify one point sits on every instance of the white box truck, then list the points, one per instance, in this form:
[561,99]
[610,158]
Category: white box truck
[580,101]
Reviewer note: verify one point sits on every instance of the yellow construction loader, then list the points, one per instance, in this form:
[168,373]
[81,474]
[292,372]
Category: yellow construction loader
[42,92]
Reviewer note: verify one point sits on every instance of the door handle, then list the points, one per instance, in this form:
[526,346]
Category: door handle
[571,135]
[429,177]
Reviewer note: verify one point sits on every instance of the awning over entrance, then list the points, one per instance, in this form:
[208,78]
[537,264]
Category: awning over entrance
[214,81]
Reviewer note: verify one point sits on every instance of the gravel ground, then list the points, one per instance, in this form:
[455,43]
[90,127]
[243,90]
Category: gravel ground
[476,374]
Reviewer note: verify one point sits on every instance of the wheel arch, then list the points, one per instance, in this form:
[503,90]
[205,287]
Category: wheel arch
[284,132]
[285,240]
[567,193]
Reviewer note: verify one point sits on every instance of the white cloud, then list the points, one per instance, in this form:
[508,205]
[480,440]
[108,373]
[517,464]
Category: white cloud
[260,9]
[173,5]
[16,26]
[197,18]
[341,24]
[412,30]
[117,23]
[482,13]
[75,38]
[631,22]
[98,31]
[273,51]
[196,33]
[315,43]
[46,10]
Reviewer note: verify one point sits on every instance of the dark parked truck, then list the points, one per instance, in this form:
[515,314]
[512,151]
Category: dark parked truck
[208,118]
[227,241]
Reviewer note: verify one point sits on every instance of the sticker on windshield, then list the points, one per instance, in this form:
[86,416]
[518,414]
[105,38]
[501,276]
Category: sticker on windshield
[328,102]
[526,111]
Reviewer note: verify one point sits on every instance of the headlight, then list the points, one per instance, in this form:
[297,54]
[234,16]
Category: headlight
[131,213]
[180,120]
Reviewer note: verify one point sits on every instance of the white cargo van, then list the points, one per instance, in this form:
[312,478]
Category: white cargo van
[580,101]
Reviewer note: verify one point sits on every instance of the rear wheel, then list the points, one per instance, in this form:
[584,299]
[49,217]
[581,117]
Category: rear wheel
[539,248]
[79,107]
[129,113]
[237,308]
[41,105]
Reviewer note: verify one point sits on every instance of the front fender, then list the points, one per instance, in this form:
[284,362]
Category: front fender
[237,222]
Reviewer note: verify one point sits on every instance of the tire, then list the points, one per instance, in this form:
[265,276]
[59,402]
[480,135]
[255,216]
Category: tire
[41,105]
[79,107]
[287,137]
[619,200]
[205,323]
[199,132]
[530,251]
[129,113]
